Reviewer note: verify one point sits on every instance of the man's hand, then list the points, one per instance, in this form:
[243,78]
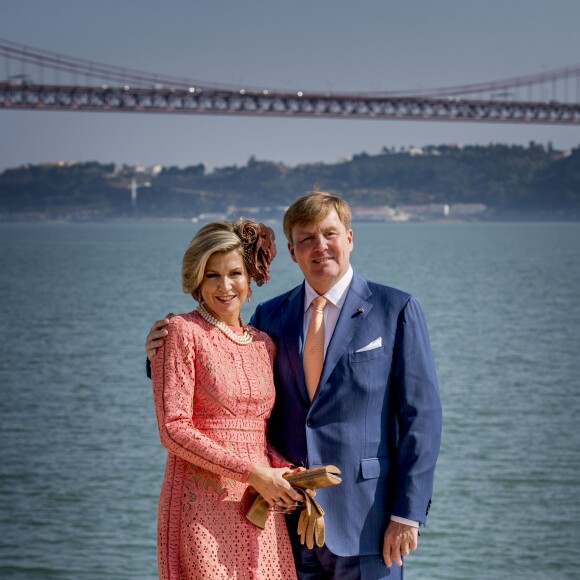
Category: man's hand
[155,337]
[399,540]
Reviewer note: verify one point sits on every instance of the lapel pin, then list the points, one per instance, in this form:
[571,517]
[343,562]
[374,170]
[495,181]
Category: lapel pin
[360,310]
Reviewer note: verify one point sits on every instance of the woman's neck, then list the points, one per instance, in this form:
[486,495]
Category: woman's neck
[234,321]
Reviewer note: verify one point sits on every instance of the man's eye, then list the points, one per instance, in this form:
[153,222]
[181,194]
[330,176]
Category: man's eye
[330,234]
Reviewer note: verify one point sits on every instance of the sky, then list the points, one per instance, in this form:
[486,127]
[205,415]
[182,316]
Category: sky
[337,45]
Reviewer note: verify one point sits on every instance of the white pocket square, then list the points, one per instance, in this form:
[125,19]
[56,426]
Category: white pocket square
[377,343]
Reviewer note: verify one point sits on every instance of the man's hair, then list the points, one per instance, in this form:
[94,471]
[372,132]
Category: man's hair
[312,209]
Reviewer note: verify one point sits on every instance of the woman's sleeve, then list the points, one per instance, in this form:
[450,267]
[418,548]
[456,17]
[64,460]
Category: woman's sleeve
[173,375]
[276,460]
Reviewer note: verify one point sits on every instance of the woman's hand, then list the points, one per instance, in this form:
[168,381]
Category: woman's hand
[269,482]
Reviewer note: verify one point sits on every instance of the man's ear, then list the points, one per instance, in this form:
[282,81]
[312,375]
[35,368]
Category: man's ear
[291,250]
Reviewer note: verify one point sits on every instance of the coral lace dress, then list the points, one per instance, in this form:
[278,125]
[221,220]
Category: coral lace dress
[212,399]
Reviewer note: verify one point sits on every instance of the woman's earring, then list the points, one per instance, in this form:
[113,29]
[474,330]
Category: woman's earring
[249,294]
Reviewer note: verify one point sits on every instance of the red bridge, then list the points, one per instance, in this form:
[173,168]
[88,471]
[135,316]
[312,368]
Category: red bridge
[42,80]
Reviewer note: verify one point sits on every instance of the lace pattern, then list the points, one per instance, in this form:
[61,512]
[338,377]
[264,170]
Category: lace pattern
[212,399]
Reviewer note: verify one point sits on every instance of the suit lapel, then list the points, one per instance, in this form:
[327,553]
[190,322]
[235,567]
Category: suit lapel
[354,311]
[293,331]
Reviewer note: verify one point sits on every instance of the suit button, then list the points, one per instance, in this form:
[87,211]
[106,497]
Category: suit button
[310,422]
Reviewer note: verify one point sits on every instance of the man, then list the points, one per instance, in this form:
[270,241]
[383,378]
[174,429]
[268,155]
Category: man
[355,387]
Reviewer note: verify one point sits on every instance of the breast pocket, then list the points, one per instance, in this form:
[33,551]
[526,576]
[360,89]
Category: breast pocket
[366,355]
[368,373]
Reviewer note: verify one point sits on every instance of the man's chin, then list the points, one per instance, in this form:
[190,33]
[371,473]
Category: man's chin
[328,268]
[323,277]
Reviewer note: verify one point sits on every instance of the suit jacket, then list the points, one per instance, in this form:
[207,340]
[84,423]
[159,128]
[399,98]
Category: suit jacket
[376,413]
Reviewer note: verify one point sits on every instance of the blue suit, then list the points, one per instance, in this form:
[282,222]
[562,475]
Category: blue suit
[376,413]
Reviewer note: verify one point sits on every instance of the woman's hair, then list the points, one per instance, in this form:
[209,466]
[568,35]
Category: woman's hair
[312,209]
[254,242]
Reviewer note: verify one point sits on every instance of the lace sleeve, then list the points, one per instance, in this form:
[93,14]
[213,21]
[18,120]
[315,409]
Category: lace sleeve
[276,460]
[173,389]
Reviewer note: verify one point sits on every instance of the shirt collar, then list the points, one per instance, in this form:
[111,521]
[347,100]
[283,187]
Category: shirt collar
[336,295]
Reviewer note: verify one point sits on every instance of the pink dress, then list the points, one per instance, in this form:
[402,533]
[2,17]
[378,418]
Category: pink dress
[212,399]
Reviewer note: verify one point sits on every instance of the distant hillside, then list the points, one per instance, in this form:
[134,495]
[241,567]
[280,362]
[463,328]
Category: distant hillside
[531,181]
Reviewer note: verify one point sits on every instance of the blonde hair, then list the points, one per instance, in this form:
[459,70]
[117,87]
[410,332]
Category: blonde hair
[312,209]
[213,237]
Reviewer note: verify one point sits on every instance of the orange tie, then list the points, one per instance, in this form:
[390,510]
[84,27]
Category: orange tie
[313,356]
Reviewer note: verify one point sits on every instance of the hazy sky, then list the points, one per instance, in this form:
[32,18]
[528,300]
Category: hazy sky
[364,45]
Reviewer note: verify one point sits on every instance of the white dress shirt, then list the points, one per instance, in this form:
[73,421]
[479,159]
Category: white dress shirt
[336,297]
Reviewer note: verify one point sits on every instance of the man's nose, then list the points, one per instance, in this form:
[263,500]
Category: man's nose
[320,243]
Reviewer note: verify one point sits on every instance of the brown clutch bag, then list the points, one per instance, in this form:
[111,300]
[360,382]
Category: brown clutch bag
[316,477]
[312,518]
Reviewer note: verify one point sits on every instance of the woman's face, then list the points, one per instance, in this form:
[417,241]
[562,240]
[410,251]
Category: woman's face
[225,286]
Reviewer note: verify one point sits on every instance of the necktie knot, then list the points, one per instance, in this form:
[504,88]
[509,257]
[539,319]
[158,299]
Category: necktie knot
[319,303]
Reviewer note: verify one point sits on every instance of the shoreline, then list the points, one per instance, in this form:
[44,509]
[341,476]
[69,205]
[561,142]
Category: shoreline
[30,220]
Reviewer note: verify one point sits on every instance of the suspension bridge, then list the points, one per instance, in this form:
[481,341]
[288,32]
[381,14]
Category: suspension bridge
[35,79]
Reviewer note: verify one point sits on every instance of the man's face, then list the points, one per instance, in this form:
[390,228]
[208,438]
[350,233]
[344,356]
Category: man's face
[322,251]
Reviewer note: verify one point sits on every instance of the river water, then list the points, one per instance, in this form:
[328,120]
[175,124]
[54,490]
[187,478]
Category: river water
[80,460]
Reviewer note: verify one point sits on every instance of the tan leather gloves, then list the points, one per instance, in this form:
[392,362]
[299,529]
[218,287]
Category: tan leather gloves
[311,522]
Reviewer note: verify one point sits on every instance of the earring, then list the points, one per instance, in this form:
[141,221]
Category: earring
[249,294]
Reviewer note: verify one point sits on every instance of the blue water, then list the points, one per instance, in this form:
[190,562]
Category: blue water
[80,461]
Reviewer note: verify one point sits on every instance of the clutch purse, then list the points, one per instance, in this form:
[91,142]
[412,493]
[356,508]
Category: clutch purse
[311,523]
[314,478]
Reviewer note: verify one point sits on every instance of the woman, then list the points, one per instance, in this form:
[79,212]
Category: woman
[213,389]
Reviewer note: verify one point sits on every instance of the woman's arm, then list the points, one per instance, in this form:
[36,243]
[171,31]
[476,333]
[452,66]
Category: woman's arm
[173,377]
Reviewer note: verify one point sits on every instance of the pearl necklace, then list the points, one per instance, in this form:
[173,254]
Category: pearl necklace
[245,338]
